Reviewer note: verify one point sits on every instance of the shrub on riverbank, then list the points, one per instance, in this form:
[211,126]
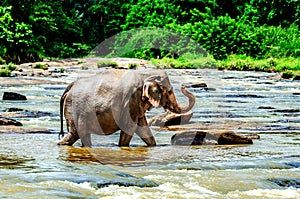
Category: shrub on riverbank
[289,67]
[107,63]
[5,70]
[186,61]
[41,66]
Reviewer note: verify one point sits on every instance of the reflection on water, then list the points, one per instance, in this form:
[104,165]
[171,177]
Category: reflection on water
[33,166]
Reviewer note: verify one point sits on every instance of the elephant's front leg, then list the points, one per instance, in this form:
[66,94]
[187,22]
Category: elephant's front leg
[144,132]
[86,140]
[124,139]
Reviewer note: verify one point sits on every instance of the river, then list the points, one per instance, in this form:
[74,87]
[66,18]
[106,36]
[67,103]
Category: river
[33,166]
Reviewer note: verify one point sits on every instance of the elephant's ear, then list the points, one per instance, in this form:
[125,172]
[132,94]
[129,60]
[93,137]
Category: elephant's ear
[154,100]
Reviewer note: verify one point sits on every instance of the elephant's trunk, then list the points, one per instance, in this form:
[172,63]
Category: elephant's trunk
[179,108]
[187,107]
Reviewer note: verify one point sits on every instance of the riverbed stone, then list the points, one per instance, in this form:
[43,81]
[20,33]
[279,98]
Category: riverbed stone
[196,85]
[13,96]
[22,113]
[9,121]
[209,138]
[8,129]
[289,182]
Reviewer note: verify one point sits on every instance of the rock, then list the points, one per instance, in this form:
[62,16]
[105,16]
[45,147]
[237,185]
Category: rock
[13,109]
[266,107]
[292,182]
[22,113]
[8,121]
[168,118]
[286,110]
[201,86]
[252,136]
[17,129]
[196,85]
[209,138]
[13,96]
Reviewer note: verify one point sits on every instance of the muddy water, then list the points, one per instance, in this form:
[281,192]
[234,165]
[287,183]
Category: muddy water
[32,166]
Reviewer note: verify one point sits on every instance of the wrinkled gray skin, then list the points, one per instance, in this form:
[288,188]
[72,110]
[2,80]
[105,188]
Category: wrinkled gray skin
[116,100]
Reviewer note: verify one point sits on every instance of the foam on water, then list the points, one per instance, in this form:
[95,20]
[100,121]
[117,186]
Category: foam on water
[266,193]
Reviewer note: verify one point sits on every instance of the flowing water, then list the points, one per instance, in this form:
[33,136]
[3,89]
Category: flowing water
[33,166]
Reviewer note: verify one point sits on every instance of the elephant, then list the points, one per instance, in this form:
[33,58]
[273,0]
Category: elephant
[117,99]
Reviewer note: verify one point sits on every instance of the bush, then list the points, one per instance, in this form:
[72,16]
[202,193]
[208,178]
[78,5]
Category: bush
[5,72]
[290,74]
[62,70]
[187,61]
[132,65]
[11,66]
[278,41]
[198,60]
[246,63]
[289,67]
[2,61]
[80,62]
[41,66]
[107,63]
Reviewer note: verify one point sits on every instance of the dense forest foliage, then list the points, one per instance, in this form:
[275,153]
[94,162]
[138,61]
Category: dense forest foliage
[36,29]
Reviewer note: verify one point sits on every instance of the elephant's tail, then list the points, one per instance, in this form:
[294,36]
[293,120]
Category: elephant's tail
[62,100]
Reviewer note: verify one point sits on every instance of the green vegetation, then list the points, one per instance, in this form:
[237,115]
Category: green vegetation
[107,63]
[62,70]
[186,61]
[4,72]
[2,61]
[254,31]
[132,65]
[41,66]
[80,62]
[6,69]
[289,67]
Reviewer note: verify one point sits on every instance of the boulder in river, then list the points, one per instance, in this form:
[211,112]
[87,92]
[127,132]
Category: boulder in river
[13,96]
[22,113]
[196,85]
[8,121]
[7,129]
[289,182]
[209,138]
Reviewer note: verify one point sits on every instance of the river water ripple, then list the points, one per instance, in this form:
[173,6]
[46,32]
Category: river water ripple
[33,166]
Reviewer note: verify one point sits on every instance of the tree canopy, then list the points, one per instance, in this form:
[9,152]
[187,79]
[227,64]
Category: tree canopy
[35,29]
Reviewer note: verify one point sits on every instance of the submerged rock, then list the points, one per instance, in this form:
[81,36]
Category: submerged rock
[22,113]
[13,96]
[9,121]
[16,129]
[196,85]
[209,138]
[294,182]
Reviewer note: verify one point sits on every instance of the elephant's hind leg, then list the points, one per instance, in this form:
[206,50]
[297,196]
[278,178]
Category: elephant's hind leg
[72,135]
[69,139]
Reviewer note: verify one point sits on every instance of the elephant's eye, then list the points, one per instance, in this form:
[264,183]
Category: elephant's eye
[155,90]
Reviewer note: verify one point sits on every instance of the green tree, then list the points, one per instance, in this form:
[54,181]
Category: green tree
[17,40]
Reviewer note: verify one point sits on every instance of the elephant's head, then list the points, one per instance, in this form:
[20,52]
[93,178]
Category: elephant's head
[158,91]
